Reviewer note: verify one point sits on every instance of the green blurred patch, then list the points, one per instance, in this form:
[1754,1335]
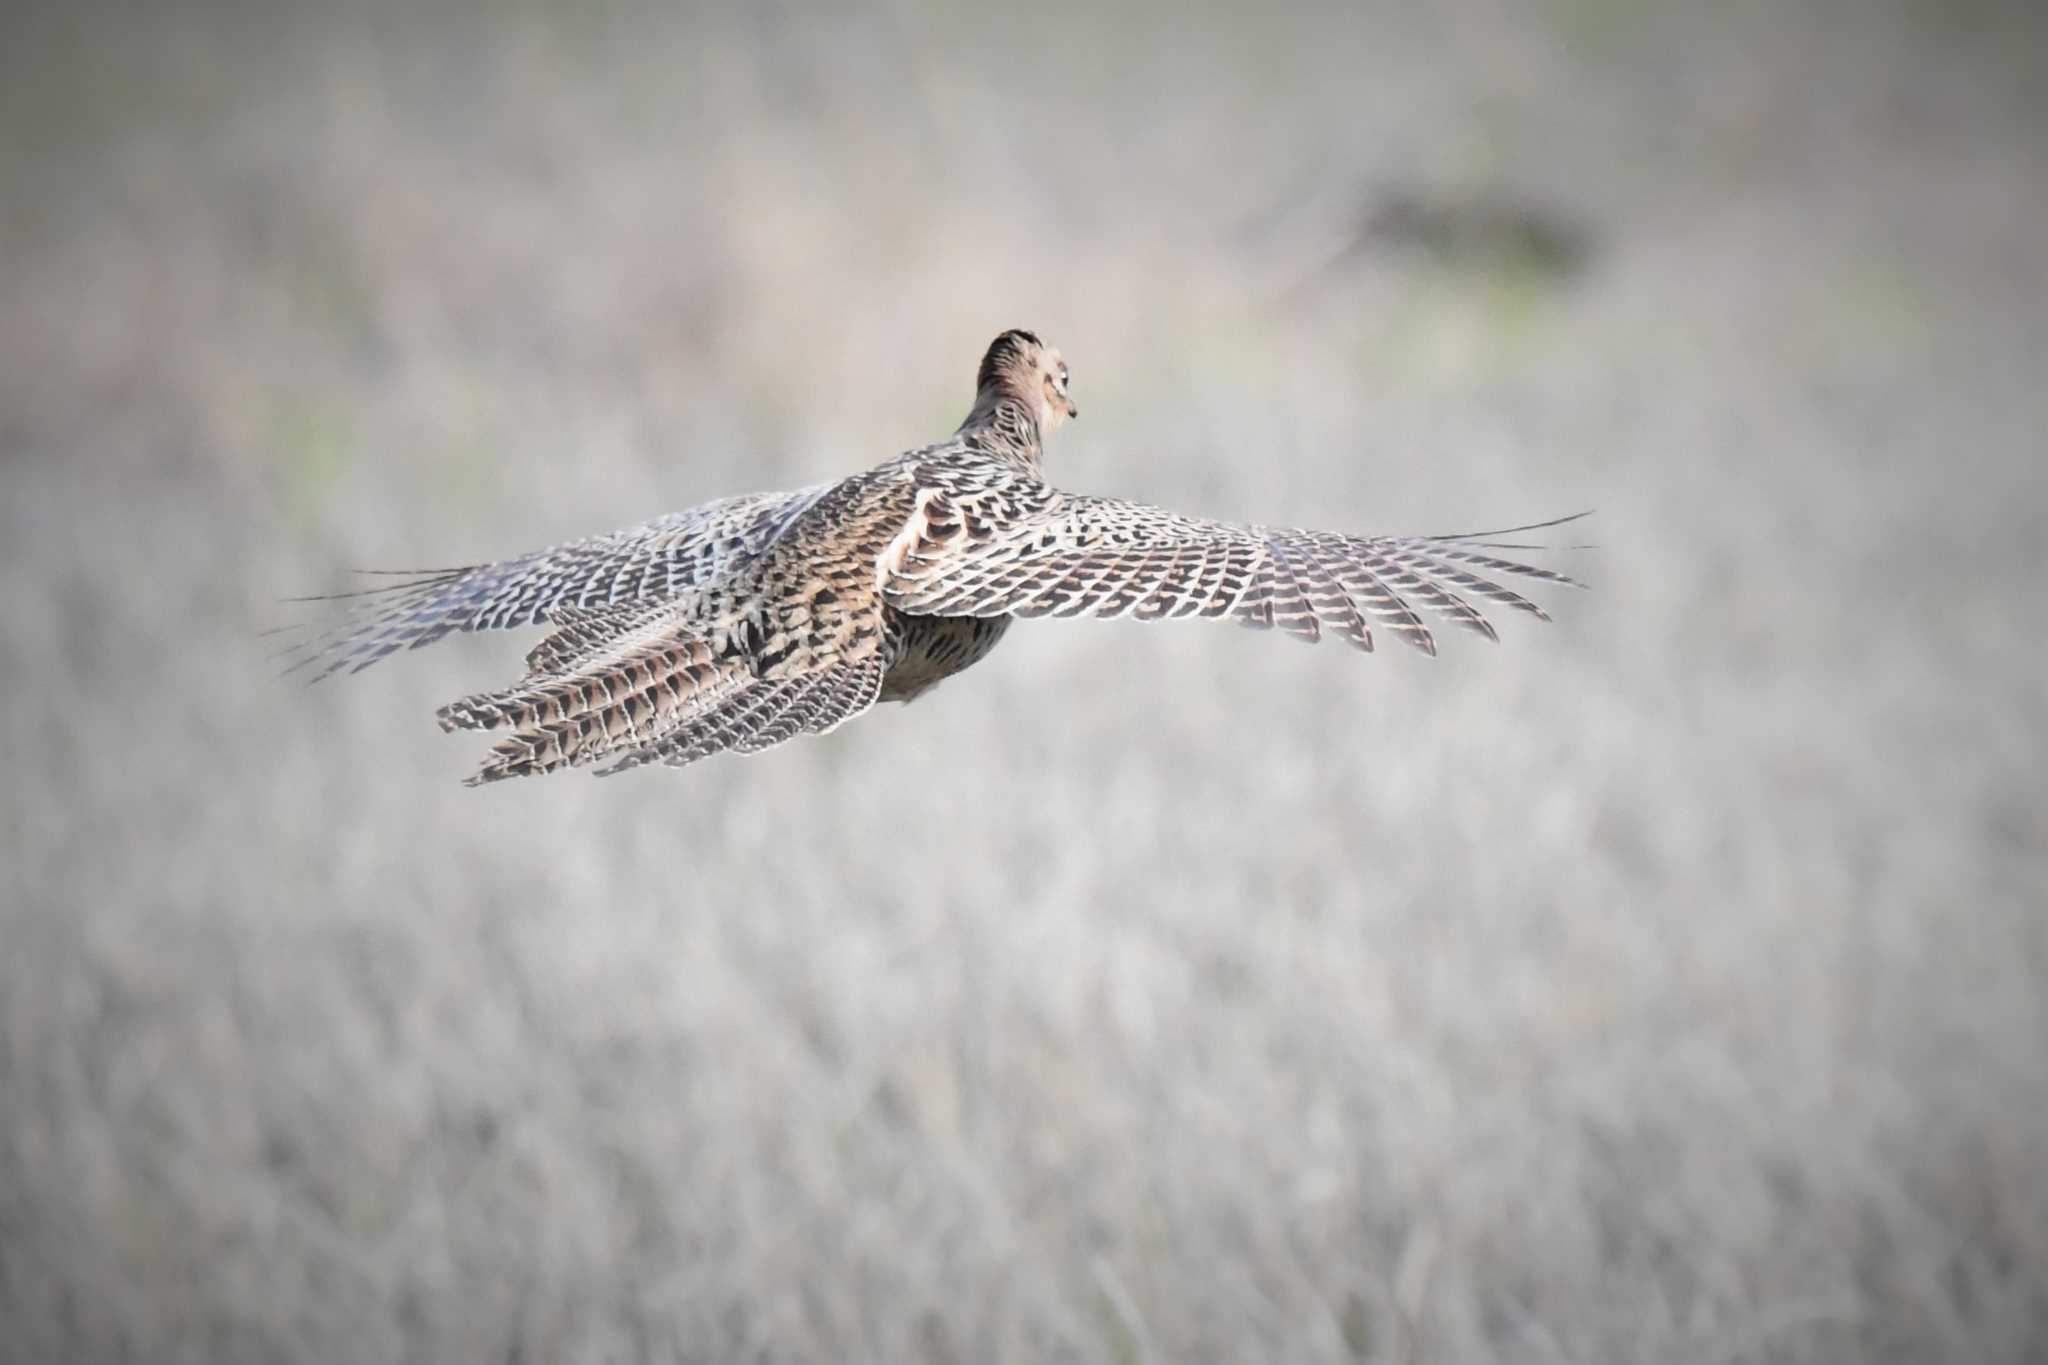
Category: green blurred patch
[1457,325]
[315,445]
[1602,25]
[1885,311]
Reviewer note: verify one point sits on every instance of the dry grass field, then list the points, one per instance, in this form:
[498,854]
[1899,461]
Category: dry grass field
[1665,984]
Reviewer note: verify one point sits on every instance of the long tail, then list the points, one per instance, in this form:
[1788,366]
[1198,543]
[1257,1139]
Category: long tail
[614,703]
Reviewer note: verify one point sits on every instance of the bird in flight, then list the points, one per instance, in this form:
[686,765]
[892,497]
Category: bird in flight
[751,620]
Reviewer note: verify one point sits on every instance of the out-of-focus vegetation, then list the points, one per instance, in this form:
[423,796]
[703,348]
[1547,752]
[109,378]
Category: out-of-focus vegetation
[1665,984]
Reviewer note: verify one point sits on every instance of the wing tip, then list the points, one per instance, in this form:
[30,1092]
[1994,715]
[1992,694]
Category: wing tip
[1416,636]
[1518,530]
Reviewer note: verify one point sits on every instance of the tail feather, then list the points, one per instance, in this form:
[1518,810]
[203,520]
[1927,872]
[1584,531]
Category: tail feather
[634,721]
[665,675]
[602,683]
[766,714]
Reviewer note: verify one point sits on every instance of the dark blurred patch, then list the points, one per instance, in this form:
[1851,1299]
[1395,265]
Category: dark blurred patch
[1475,232]
[1482,235]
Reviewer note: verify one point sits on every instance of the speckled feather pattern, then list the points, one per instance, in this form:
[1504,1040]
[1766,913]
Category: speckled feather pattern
[748,621]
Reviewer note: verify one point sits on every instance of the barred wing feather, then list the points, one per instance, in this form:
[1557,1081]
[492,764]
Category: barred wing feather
[1029,550]
[658,560]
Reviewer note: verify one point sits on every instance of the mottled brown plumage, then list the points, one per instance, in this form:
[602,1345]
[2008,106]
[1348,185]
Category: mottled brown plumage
[751,620]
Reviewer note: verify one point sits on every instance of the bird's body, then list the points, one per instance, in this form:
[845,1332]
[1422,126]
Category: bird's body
[747,621]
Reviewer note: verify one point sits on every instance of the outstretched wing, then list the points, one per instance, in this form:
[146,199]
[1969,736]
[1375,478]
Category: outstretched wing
[659,560]
[1025,549]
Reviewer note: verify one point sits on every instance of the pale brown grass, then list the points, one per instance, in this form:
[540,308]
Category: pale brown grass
[1662,985]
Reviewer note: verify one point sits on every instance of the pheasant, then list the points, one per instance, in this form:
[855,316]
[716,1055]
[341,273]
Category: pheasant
[751,620]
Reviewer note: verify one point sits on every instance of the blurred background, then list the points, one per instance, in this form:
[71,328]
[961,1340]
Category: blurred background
[1664,984]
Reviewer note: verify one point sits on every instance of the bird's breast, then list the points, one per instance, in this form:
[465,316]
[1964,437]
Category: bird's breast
[929,649]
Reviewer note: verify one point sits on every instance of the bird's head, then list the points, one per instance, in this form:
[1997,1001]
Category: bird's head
[1020,367]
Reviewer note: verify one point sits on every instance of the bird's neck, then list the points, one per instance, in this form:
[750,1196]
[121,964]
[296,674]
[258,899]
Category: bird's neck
[1007,426]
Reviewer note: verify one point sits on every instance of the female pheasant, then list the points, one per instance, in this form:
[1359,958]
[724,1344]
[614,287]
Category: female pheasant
[751,620]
